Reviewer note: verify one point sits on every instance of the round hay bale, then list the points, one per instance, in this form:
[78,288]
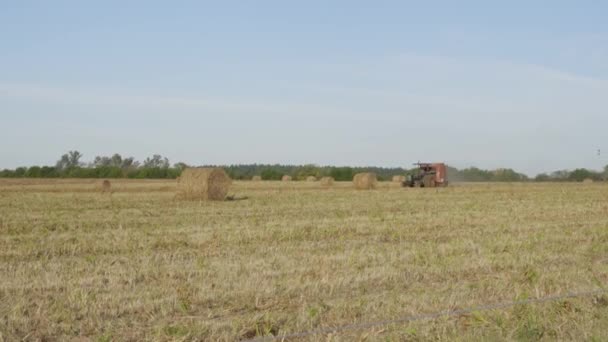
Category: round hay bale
[311,179]
[587,181]
[256,178]
[286,178]
[204,184]
[106,186]
[327,181]
[365,181]
[398,179]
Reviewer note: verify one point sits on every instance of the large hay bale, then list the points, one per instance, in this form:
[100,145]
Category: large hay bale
[587,181]
[286,178]
[256,178]
[327,181]
[106,186]
[204,184]
[311,179]
[398,179]
[365,181]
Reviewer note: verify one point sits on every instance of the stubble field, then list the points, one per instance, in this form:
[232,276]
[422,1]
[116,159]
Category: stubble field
[138,264]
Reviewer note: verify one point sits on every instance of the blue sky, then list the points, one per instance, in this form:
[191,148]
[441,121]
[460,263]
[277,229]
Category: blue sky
[517,84]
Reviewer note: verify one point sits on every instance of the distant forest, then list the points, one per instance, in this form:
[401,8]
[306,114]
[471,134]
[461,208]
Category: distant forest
[70,165]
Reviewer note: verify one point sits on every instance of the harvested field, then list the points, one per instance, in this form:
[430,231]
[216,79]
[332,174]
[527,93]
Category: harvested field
[141,265]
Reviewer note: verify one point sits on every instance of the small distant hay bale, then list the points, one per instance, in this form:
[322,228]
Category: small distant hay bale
[106,186]
[587,181]
[204,184]
[365,181]
[327,181]
[256,178]
[286,178]
[311,179]
[398,179]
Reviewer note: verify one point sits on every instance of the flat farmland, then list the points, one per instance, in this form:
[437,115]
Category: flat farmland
[138,264]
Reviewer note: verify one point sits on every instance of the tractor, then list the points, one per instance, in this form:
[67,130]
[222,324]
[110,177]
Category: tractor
[428,175]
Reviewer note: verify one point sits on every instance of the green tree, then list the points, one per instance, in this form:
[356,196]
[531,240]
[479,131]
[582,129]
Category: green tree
[560,175]
[271,174]
[116,160]
[101,161]
[307,171]
[474,174]
[48,172]
[109,172]
[6,173]
[579,175]
[542,177]
[342,173]
[129,163]
[69,160]
[34,172]
[508,175]
[179,167]
[20,171]
[156,161]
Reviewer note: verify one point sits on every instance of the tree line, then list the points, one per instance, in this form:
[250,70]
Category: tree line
[70,165]
[576,175]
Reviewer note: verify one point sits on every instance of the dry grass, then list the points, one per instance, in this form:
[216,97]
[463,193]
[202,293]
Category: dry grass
[256,178]
[311,179]
[139,265]
[398,179]
[365,181]
[203,184]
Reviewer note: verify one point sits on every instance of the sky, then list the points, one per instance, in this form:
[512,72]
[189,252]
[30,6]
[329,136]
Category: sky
[515,84]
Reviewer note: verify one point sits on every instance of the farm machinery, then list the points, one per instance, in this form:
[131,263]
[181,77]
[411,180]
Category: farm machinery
[427,175]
